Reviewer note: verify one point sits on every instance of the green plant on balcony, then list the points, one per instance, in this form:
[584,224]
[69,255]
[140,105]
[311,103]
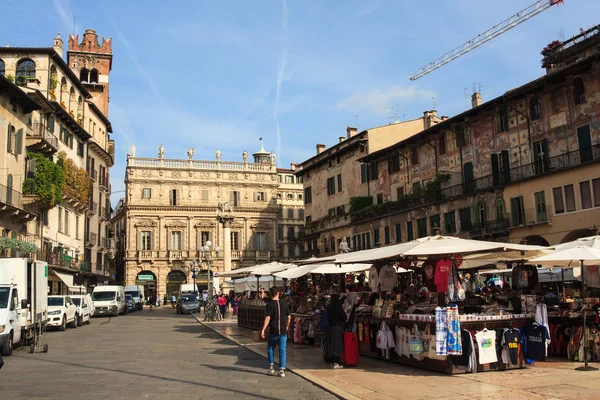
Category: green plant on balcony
[47,182]
[7,243]
[78,184]
[11,78]
[359,203]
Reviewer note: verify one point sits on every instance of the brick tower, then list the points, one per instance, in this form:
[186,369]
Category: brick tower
[92,63]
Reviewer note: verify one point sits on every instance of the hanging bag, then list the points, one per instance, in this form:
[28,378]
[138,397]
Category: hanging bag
[429,345]
[415,344]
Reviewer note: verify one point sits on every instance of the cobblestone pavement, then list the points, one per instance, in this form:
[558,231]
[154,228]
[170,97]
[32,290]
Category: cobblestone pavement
[150,354]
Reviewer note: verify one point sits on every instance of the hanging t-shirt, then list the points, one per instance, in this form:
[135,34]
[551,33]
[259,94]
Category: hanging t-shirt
[388,278]
[512,338]
[428,270]
[486,341]
[591,276]
[442,272]
[466,350]
[535,342]
[374,279]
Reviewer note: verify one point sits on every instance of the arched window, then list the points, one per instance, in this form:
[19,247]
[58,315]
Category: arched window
[53,83]
[71,99]
[534,108]
[25,69]
[80,110]
[482,214]
[64,90]
[2,67]
[84,75]
[94,76]
[578,91]
[500,207]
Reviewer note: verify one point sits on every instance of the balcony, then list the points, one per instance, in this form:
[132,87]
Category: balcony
[146,255]
[176,255]
[13,207]
[110,148]
[40,139]
[93,175]
[105,243]
[103,182]
[93,207]
[92,239]
[489,228]
[58,259]
[84,266]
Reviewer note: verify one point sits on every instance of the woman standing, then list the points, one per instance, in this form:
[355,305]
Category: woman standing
[222,304]
[337,318]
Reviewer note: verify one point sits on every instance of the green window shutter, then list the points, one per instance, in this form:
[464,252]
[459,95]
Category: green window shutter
[398,233]
[19,144]
[514,213]
[475,214]
[9,139]
[495,169]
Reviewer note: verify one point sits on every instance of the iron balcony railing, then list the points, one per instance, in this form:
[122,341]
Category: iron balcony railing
[11,197]
[41,131]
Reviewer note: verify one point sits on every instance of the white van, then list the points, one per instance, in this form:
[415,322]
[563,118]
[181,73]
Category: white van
[137,293]
[109,300]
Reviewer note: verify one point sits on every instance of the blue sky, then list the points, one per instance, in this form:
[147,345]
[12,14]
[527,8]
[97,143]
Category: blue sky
[222,74]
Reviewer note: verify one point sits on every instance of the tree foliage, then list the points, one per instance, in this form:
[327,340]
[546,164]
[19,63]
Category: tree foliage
[47,182]
[77,181]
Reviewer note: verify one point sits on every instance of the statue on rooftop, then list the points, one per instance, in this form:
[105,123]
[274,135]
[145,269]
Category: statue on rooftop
[190,153]
[218,155]
[245,156]
[161,151]
[131,150]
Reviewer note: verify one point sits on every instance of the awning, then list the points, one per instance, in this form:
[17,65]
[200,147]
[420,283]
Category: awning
[67,280]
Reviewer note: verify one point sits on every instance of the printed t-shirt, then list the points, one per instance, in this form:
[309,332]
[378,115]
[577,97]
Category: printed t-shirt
[486,341]
[388,278]
[535,342]
[374,279]
[442,271]
[428,271]
[512,339]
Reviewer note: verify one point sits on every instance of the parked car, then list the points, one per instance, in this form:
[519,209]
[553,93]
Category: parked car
[187,304]
[83,309]
[130,303]
[109,300]
[88,297]
[61,312]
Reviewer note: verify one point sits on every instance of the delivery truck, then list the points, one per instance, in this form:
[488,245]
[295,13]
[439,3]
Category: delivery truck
[137,293]
[187,288]
[23,303]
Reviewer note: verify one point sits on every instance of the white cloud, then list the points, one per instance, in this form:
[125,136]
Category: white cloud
[376,101]
[67,17]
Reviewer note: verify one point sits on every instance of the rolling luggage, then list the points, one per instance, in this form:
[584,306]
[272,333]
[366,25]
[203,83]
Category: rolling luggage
[350,355]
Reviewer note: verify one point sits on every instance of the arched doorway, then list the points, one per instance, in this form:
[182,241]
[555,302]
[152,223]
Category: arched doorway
[578,234]
[536,240]
[147,279]
[174,279]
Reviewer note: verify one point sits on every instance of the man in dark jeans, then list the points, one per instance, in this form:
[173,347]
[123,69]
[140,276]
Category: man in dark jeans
[278,320]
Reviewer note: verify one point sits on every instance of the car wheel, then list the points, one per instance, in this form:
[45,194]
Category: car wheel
[79,320]
[89,321]
[7,350]
[63,324]
[74,323]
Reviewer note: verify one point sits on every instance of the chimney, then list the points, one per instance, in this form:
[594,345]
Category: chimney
[429,118]
[350,131]
[444,117]
[342,139]
[58,45]
[475,100]
[320,148]
[293,166]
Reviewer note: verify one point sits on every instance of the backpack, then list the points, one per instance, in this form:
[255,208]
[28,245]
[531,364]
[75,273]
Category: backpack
[324,323]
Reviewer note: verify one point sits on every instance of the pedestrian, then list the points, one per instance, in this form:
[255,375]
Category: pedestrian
[234,306]
[222,305]
[278,320]
[335,336]
[1,361]
[158,300]
[173,300]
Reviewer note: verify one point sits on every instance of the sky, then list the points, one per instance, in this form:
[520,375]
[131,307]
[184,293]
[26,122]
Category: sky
[222,74]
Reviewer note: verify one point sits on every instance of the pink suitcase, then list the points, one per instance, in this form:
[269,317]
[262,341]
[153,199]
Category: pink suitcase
[350,355]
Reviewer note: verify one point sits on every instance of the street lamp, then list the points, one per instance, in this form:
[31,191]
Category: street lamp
[193,271]
[206,257]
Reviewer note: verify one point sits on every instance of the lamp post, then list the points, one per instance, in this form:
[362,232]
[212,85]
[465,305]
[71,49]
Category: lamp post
[194,276]
[206,257]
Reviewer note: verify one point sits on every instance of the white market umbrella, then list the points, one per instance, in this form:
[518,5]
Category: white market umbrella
[590,241]
[322,269]
[569,258]
[261,269]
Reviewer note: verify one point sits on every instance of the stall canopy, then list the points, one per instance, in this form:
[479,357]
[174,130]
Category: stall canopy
[322,269]
[67,280]
[572,257]
[440,245]
[590,241]
[259,270]
[245,284]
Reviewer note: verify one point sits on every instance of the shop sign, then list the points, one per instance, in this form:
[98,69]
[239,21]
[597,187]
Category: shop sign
[145,278]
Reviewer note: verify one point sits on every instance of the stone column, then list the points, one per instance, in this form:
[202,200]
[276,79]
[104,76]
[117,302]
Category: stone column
[226,221]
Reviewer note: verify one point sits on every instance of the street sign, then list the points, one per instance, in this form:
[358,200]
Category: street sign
[145,278]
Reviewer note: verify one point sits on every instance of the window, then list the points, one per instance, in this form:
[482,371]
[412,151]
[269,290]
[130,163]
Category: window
[80,148]
[399,192]
[94,76]
[330,186]
[300,197]
[364,173]
[332,244]
[422,227]
[540,206]
[461,135]
[11,139]
[559,204]
[291,232]
[290,196]
[174,200]
[146,193]
[331,212]
[380,198]
[60,219]
[386,235]
[340,211]
[366,240]
[414,156]
[290,213]
[517,211]
[308,220]
[235,241]
[308,195]
[409,231]
[84,75]
[464,215]
[204,237]
[66,222]
[398,233]
[234,198]
[260,241]
[596,185]
[376,239]
[338,159]
[260,196]
[300,214]
[280,232]
[534,108]
[570,197]
[499,205]
[450,222]
[373,170]
[2,67]
[502,119]
[339,183]
[145,238]
[434,221]
[25,69]
[289,179]
[442,144]
[76,227]
[578,91]
[176,240]
[586,194]
[394,163]
[205,195]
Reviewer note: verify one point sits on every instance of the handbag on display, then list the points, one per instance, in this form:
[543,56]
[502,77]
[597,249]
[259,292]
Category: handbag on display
[430,346]
[415,344]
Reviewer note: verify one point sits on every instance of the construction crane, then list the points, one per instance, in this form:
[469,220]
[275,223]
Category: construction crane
[497,30]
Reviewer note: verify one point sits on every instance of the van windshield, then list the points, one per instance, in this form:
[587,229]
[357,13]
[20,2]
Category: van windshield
[133,294]
[56,301]
[4,297]
[76,301]
[103,296]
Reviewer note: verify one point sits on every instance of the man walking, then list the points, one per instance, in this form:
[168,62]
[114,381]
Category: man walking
[278,320]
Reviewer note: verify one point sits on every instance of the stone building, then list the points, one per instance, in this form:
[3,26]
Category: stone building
[70,131]
[171,208]
[521,167]
[290,214]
